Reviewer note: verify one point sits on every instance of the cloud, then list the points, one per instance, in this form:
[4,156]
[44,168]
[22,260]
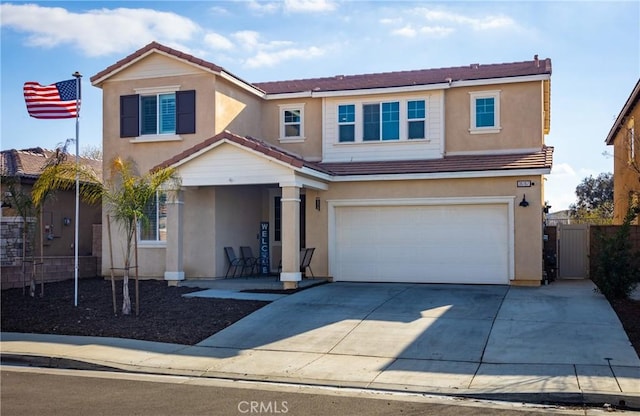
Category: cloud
[217,41]
[309,6]
[97,32]
[406,31]
[563,169]
[477,23]
[268,59]
[263,7]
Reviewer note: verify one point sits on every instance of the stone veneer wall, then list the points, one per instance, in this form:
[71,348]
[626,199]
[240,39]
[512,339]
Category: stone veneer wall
[11,236]
[54,269]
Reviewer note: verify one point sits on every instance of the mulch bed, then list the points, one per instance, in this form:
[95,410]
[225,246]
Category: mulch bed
[165,316]
[628,311]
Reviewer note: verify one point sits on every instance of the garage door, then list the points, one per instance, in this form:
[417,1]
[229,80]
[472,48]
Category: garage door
[430,244]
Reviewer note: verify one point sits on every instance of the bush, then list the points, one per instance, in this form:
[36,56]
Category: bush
[616,273]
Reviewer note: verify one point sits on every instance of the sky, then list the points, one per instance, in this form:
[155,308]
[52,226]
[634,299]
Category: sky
[594,48]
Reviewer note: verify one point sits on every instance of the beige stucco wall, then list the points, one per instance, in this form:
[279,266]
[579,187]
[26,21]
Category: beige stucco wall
[521,119]
[311,147]
[625,171]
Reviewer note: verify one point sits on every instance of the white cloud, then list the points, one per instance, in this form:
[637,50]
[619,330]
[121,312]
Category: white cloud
[267,59]
[248,39]
[97,32]
[562,169]
[477,23]
[436,31]
[309,6]
[263,7]
[391,21]
[407,32]
[217,41]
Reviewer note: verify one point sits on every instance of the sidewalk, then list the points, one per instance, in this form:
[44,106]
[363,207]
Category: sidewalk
[326,351]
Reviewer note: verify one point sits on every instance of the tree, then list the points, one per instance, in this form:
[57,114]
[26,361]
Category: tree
[91,152]
[595,199]
[124,195]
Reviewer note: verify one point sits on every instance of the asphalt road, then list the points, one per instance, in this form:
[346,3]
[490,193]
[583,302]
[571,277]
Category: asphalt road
[34,391]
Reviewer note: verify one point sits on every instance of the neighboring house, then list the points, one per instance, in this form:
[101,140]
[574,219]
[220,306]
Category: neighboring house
[23,167]
[414,176]
[625,138]
[558,217]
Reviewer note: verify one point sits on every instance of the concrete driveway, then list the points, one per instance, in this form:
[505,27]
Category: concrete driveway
[558,338]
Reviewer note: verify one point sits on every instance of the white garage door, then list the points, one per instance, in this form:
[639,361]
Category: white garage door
[430,244]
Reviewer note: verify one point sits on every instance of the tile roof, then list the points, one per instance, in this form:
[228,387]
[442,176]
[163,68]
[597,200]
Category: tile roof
[353,82]
[469,163]
[28,163]
[409,78]
[249,142]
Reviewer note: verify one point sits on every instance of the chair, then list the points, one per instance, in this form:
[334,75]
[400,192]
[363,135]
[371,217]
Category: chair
[305,262]
[251,262]
[235,263]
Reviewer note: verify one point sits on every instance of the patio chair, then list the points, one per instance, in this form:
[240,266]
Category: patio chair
[305,262]
[251,263]
[235,263]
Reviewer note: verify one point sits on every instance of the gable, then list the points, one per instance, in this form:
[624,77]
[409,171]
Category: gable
[156,65]
[230,164]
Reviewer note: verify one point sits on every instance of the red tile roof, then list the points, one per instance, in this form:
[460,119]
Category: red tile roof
[534,160]
[467,163]
[352,82]
[29,163]
[249,142]
[409,78]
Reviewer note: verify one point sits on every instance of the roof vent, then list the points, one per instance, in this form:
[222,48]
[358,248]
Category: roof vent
[535,59]
[339,77]
[474,66]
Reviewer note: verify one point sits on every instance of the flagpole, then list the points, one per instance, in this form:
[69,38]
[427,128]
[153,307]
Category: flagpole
[77,76]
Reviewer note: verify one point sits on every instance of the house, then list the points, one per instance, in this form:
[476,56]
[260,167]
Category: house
[19,170]
[624,137]
[415,176]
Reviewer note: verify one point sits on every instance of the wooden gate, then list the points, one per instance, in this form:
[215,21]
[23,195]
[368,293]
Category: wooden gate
[573,251]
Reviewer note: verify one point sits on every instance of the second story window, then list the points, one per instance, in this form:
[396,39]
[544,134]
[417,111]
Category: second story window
[291,122]
[155,113]
[346,123]
[416,116]
[158,114]
[631,136]
[485,112]
[381,121]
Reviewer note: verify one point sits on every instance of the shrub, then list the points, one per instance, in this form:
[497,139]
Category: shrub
[616,273]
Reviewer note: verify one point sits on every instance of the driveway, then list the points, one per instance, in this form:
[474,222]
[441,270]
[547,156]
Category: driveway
[558,338]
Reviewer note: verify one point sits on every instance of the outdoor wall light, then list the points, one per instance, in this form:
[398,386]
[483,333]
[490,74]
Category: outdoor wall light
[66,221]
[524,202]
[318,203]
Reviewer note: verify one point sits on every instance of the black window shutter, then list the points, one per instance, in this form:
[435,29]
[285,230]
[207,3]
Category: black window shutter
[186,112]
[129,116]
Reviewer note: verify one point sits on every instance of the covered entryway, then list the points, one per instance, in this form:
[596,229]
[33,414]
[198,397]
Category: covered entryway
[423,241]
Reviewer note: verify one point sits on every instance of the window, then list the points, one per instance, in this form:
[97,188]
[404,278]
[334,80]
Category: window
[292,122]
[155,228]
[157,113]
[485,112]
[346,123]
[416,116]
[381,121]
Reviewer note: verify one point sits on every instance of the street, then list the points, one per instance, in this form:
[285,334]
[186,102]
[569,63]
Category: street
[37,391]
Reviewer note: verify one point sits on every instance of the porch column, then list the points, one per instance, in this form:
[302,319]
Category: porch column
[290,200]
[174,270]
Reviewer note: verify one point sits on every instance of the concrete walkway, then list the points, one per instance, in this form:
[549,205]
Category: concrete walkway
[560,343]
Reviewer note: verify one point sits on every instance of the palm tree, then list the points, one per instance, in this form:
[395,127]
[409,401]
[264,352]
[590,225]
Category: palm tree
[124,195]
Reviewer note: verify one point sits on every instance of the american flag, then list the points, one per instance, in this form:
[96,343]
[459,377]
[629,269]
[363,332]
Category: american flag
[52,101]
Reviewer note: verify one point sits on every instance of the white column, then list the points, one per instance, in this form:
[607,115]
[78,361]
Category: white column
[174,270]
[290,274]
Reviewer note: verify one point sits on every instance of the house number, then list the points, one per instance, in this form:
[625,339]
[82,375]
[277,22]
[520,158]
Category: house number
[524,184]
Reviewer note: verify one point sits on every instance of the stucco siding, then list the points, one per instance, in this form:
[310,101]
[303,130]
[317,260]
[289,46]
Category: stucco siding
[521,119]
